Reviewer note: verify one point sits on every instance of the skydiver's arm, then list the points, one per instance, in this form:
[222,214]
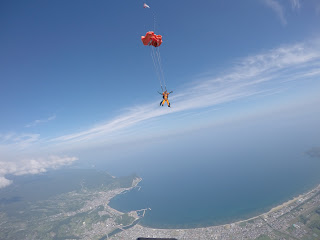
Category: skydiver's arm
[171,92]
[159,92]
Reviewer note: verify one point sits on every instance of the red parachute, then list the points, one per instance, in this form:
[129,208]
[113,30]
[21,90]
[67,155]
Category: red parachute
[154,41]
[151,39]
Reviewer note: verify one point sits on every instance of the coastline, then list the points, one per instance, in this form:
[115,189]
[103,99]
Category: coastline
[263,222]
[273,209]
[278,207]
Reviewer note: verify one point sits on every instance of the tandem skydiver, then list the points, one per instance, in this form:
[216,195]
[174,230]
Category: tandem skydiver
[165,95]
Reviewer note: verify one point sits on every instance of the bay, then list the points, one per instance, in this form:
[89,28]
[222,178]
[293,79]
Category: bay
[220,180]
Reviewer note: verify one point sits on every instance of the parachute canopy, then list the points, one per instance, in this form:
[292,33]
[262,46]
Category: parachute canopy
[145,5]
[151,39]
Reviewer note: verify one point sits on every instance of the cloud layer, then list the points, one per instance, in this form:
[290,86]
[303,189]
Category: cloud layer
[31,166]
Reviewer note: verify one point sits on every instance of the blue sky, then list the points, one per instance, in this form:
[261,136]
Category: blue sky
[75,75]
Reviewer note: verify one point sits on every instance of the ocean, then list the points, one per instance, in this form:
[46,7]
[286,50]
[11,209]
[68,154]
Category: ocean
[214,195]
[218,181]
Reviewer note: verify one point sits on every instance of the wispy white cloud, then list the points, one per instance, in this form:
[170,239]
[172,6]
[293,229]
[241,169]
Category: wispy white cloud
[278,9]
[39,121]
[31,166]
[317,9]
[18,141]
[295,4]
[255,75]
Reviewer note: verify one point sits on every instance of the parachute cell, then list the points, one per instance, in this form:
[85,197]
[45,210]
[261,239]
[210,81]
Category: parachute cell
[151,39]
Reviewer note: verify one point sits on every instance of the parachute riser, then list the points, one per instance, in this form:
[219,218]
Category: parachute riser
[155,53]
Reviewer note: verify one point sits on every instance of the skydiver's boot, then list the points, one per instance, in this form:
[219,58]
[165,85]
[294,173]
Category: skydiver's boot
[169,105]
[161,103]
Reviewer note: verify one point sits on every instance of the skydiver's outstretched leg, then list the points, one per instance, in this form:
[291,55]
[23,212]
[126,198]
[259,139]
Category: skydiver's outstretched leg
[162,102]
[168,102]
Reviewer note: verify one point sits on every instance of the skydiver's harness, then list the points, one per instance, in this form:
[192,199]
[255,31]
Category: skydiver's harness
[165,96]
